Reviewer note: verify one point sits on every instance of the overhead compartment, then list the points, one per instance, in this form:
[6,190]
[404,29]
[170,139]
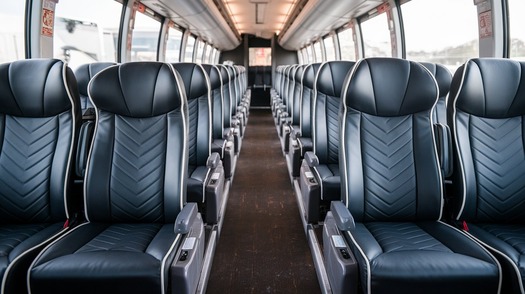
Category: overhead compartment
[318,17]
[201,17]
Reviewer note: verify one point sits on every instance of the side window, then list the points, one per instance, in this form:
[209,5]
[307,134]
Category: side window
[206,54]
[517,29]
[86,31]
[200,47]
[145,35]
[429,38]
[347,44]
[329,47]
[173,44]
[190,43]
[376,35]
[318,52]
[310,53]
[12,44]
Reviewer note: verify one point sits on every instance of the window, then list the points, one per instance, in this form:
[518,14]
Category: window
[206,54]
[86,31]
[304,55]
[12,44]
[173,44]
[145,35]
[429,38]
[376,35]
[347,44]
[260,56]
[198,52]
[217,56]
[329,47]
[517,29]
[188,55]
[300,56]
[211,59]
[318,52]
[310,53]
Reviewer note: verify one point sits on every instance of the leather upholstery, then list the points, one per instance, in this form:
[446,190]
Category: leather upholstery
[327,100]
[214,75]
[84,74]
[197,87]
[134,187]
[307,104]
[392,186]
[443,78]
[227,104]
[297,93]
[39,119]
[487,110]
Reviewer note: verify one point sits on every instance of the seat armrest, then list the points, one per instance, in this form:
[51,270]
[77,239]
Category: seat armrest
[343,217]
[311,159]
[213,160]
[83,146]
[444,148]
[186,218]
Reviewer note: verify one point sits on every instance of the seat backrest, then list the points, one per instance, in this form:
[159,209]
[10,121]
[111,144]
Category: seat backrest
[232,89]
[198,96]
[84,74]
[214,74]
[226,97]
[39,120]
[443,78]
[291,87]
[389,166]
[487,114]
[277,81]
[306,111]
[297,92]
[267,75]
[137,167]
[327,101]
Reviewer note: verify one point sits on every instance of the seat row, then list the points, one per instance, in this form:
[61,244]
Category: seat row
[417,189]
[149,211]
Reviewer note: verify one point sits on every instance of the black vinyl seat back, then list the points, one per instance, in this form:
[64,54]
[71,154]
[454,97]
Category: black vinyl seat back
[327,101]
[389,165]
[84,74]
[40,116]
[297,92]
[306,111]
[226,98]
[137,167]
[214,74]
[291,90]
[443,78]
[487,111]
[277,81]
[232,89]
[197,88]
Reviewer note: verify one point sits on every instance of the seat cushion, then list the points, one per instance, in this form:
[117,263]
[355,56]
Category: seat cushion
[120,258]
[330,181]
[196,183]
[427,257]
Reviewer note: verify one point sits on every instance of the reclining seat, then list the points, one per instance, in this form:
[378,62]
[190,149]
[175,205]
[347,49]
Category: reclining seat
[205,171]
[321,166]
[231,125]
[392,188]
[236,118]
[222,142]
[134,194]
[40,114]
[280,104]
[293,122]
[487,112]
[285,117]
[443,78]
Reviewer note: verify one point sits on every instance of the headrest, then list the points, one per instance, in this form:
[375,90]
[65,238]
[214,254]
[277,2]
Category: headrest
[37,88]
[213,74]
[442,75]
[299,73]
[194,78]
[390,87]
[490,87]
[331,77]
[224,74]
[86,72]
[309,75]
[137,89]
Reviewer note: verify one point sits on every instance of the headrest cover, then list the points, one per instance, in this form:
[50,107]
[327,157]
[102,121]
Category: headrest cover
[36,88]
[490,87]
[213,74]
[86,72]
[390,87]
[331,77]
[137,89]
[194,78]
[309,75]
[224,74]
[299,73]
[442,76]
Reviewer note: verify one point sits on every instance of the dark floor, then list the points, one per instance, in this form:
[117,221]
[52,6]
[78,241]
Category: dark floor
[262,248]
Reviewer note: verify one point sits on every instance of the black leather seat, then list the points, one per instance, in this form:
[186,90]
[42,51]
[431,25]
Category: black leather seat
[134,194]
[202,164]
[84,74]
[444,79]
[323,161]
[392,187]
[487,111]
[40,115]
[295,109]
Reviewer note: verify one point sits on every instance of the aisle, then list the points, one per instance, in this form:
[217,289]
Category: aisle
[262,248]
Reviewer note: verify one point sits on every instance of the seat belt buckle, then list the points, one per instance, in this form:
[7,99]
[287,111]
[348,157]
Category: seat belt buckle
[464,226]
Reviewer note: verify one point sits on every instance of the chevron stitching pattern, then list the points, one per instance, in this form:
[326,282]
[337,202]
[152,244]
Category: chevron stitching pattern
[25,167]
[512,234]
[12,235]
[394,237]
[389,172]
[332,125]
[499,158]
[138,169]
[123,237]
[193,114]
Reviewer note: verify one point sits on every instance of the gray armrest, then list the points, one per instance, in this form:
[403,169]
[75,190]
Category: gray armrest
[343,217]
[213,160]
[311,159]
[186,218]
